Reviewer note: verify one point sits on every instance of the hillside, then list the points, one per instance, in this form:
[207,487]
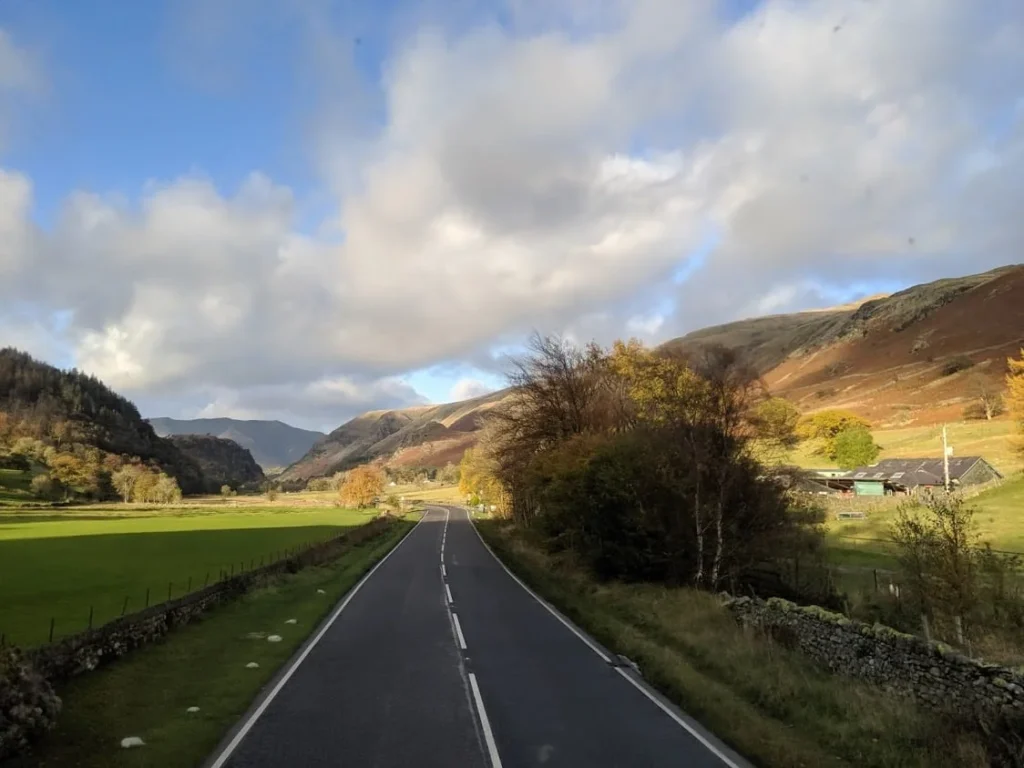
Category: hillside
[888,358]
[423,436]
[222,461]
[272,443]
[79,417]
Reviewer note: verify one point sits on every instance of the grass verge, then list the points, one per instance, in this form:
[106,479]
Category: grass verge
[204,664]
[768,703]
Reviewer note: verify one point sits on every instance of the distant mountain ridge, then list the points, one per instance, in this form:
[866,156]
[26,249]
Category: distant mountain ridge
[273,444]
[422,436]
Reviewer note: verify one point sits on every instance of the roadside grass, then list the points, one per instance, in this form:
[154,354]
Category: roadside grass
[767,702]
[59,563]
[203,664]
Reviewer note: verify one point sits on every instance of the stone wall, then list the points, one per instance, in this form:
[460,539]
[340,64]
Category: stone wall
[88,650]
[934,674]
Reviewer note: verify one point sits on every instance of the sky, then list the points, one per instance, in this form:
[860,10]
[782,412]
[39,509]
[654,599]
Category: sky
[305,209]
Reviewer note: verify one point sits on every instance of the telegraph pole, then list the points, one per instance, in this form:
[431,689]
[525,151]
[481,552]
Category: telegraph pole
[945,460]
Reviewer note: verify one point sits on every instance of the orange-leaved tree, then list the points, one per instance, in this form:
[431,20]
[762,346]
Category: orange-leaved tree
[362,486]
[1015,393]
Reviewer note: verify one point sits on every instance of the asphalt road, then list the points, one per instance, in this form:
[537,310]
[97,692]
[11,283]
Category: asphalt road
[442,658]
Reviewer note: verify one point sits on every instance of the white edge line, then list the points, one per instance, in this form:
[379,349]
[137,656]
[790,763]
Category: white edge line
[458,631]
[444,572]
[485,724]
[643,689]
[542,601]
[247,726]
[689,728]
[448,594]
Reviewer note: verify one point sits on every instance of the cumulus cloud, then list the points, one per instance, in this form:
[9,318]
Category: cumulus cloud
[554,173]
[466,388]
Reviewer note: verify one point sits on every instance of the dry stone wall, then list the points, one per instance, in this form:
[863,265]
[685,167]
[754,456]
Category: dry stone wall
[934,674]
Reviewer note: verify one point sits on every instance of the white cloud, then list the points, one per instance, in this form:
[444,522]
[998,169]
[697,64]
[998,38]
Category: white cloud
[501,194]
[467,388]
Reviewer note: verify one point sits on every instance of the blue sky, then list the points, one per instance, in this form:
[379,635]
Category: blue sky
[365,204]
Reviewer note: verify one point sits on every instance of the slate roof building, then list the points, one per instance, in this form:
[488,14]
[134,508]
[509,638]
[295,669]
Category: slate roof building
[891,476]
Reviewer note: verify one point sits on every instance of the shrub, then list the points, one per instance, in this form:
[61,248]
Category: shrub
[955,365]
[28,704]
[46,487]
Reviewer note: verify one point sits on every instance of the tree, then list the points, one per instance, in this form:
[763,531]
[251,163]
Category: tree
[988,399]
[362,486]
[939,551]
[774,422]
[144,491]
[449,474]
[165,490]
[225,491]
[855,447]
[125,480]
[1015,392]
[826,425]
[46,487]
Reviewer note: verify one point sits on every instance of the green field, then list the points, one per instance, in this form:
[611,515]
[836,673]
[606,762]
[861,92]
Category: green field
[147,694]
[60,563]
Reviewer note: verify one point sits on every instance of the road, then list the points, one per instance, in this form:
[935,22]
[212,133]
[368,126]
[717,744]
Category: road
[440,657]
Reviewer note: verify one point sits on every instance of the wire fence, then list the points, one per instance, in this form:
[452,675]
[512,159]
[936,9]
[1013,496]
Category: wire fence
[106,608]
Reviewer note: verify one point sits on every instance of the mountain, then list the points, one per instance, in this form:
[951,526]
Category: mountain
[76,413]
[272,443]
[916,356]
[423,436]
[222,461]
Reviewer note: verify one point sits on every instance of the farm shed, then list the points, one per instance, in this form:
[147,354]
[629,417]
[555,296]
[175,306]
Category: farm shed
[900,476]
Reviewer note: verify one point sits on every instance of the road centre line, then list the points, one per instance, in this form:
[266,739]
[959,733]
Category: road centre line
[485,724]
[458,631]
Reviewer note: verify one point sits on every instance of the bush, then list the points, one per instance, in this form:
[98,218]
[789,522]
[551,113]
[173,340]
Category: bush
[28,704]
[45,487]
[955,365]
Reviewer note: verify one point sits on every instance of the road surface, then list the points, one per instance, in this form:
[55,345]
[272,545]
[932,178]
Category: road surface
[440,657]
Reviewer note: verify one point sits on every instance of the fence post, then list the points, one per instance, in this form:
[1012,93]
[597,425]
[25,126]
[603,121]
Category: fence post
[251,561]
[51,630]
[147,597]
[169,585]
[124,605]
[189,587]
[90,617]
[206,581]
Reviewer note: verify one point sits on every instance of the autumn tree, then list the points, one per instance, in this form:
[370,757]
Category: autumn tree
[165,490]
[826,425]
[144,490]
[125,480]
[362,486]
[1015,392]
[774,420]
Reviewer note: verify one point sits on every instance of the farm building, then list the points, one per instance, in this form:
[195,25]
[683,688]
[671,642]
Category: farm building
[900,476]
